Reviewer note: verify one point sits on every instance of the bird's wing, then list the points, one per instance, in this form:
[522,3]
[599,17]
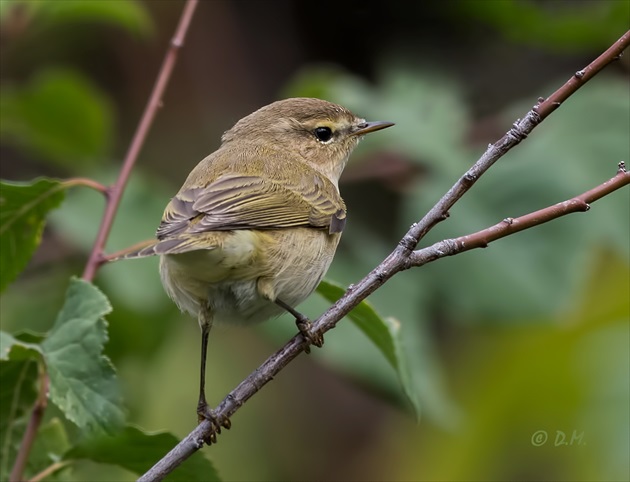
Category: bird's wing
[235,201]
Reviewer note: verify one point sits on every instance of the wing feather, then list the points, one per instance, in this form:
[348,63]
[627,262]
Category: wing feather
[235,201]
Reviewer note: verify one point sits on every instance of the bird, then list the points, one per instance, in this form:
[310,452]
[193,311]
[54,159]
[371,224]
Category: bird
[255,226]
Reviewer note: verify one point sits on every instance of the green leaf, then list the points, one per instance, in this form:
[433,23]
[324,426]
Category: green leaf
[23,207]
[60,116]
[138,451]
[14,349]
[19,374]
[83,383]
[383,332]
[17,396]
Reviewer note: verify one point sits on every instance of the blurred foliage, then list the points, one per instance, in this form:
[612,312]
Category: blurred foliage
[562,26]
[127,14]
[550,398]
[60,117]
[528,335]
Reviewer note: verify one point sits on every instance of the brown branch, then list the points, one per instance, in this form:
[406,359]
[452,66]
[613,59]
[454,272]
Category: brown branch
[34,422]
[113,195]
[150,111]
[519,131]
[614,52]
[84,181]
[275,363]
[394,263]
[508,226]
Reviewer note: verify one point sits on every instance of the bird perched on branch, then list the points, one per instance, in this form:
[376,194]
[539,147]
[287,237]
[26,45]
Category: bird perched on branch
[256,224]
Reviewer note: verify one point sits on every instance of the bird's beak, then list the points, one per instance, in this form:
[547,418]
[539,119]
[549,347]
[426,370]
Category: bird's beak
[366,127]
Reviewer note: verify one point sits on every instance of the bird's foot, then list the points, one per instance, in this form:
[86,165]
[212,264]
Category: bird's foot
[305,325]
[206,413]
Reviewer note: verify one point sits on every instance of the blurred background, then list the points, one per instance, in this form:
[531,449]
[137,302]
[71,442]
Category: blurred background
[519,353]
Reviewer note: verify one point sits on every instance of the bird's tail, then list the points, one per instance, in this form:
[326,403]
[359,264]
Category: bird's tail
[154,247]
[139,250]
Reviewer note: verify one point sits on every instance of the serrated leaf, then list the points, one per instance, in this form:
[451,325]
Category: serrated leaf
[17,395]
[383,332]
[23,208]
[138,451]
[59,115]
[83,383]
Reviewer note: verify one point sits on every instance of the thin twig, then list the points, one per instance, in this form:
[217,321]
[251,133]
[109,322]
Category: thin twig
[519,131]
[394,263]
[508,226]
[34,422]
[51,469]
[84,181]
[155,102]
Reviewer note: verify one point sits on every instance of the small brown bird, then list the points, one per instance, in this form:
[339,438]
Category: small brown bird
[255,226]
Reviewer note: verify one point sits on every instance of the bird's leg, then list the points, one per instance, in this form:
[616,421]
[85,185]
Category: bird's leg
[304,325]
[266,290]
[203,411]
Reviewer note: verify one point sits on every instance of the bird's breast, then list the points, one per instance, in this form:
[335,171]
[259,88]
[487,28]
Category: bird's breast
[228,276]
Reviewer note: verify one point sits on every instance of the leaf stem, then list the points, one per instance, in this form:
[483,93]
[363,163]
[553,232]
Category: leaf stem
[51,469]
[84,181]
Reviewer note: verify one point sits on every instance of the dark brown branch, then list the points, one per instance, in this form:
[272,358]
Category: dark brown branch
[394,263]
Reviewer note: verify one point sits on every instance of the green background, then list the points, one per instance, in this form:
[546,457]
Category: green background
[526,336]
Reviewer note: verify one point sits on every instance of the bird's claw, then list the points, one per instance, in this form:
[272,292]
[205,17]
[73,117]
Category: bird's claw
[305,325]
[206,413]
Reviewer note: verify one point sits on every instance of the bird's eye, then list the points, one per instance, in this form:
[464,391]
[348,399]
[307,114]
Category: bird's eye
[323,134]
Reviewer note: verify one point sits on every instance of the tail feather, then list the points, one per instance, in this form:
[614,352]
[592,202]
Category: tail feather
[157,247]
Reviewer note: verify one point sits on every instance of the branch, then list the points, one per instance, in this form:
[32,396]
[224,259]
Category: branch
[399,259]
[113,195]
[31,429]
[519,131]
[85,182]
[508,226]
[150,111]
[50,470]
